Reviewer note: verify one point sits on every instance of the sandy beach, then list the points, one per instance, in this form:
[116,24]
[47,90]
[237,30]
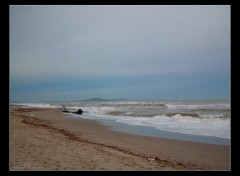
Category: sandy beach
[43,139]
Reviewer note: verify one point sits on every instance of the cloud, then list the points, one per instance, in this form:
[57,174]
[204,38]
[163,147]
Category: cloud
[97,42]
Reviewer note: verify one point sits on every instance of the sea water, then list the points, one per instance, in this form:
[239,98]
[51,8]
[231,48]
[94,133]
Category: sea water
[194,120]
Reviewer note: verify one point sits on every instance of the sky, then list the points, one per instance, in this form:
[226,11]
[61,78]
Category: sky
[137,52]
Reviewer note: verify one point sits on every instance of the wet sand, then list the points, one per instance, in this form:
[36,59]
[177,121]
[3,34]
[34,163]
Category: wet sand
[43,139]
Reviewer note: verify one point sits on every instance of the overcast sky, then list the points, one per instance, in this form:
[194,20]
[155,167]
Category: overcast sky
[79,52]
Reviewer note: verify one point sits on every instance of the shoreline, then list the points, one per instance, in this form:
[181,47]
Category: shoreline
[113,125]
[135,152]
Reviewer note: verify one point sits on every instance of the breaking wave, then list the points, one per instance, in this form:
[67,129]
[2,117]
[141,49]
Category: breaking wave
[207,118]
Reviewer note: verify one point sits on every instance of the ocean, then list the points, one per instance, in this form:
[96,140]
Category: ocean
[194,120]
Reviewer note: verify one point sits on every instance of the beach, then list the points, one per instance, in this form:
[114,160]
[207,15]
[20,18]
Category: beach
[44,139]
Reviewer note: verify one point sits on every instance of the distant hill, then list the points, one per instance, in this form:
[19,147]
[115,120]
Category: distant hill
[95,99]
[100,99]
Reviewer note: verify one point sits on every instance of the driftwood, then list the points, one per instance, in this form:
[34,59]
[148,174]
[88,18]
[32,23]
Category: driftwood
[79,111]
[64,109]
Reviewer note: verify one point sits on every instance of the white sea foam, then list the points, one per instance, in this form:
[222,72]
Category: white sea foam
[200,106]
[213,116]
[198,118]
[126,102]
[214,123]
[37,105]
[94,110]
[184,124]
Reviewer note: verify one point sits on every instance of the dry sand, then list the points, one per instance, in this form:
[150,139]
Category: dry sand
[43,139]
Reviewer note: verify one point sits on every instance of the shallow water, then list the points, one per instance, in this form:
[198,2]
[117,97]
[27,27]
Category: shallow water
[181,119]
[112,124]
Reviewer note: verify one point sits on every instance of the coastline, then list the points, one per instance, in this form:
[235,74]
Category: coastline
[139,130]
[54,142]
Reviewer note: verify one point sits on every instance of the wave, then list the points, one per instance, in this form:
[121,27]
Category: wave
[137,103]
[195,115]
[200,107]
[37,105]
[184,124]
[209,119]
[115,113]
[182,114]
